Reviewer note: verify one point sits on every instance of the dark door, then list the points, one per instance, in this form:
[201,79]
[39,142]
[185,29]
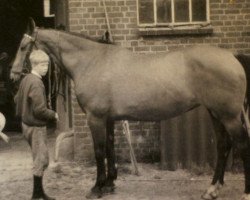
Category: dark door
[188,141]
[14,16]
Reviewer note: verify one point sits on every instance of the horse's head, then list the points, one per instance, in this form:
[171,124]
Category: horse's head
[23,51]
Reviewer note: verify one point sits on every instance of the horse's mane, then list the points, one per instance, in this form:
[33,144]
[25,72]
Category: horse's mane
[81,35]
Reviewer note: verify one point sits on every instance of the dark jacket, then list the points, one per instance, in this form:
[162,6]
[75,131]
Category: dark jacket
[31,103]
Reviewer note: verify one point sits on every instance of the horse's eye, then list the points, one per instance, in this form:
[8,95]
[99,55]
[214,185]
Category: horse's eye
[22,48]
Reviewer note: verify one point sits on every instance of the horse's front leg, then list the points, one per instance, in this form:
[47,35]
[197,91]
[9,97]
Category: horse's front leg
[110,151]
[98,131]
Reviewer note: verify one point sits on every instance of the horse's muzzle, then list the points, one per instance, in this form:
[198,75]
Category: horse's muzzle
[15,76]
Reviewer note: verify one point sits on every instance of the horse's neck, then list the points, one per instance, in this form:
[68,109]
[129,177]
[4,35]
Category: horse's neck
[69,50]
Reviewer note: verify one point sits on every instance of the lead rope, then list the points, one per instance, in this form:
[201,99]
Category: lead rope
[49,86]
[125,123]
[52,89]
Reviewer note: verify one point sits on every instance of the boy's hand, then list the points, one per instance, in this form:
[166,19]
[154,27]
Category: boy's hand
[57,117]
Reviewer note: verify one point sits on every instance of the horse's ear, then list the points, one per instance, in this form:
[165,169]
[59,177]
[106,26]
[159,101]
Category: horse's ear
[31,26]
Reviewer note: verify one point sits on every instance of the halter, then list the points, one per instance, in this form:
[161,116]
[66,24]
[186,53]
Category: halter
[32,39]
[29,37]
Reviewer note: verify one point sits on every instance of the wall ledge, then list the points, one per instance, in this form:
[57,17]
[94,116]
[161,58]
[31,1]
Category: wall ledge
[172,31]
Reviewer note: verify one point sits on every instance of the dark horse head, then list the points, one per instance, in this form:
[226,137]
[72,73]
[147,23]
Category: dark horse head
[24,49]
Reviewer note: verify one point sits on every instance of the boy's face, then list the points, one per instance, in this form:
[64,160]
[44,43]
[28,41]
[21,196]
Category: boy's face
[41,68]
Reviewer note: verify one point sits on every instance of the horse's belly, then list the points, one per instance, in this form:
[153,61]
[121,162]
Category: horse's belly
[154,109]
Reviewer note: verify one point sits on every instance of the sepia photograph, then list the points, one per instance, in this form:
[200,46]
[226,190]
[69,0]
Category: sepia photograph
[124,99]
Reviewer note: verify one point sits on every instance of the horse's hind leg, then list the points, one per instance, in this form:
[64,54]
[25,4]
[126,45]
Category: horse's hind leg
[110,152]
[241,142]
[223,149]
[98,131]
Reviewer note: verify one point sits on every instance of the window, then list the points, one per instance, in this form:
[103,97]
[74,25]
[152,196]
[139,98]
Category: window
[172,12]
[48,8]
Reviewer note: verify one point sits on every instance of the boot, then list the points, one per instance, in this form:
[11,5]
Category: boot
[38,191]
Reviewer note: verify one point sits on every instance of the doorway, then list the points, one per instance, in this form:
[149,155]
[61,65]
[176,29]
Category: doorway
[14,16]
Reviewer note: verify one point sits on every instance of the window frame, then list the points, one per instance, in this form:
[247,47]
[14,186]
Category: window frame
[173,23]
[46,9]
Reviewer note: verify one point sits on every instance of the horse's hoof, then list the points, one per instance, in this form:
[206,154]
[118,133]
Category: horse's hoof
[245,197]
[43,197]
[212,192]
[94,194]
[108,189]
[209,196]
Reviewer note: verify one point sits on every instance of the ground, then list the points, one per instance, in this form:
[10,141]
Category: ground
[73,180]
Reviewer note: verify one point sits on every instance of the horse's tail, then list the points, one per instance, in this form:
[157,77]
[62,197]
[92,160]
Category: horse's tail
[245,62]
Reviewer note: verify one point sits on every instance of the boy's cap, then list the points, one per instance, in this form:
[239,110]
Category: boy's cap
[38,56]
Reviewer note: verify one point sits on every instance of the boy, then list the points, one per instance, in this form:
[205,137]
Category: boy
[31,106]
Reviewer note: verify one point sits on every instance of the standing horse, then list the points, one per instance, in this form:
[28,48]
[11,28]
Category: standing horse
[112,83]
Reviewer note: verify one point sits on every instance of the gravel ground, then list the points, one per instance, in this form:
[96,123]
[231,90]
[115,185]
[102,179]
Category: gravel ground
[73,180]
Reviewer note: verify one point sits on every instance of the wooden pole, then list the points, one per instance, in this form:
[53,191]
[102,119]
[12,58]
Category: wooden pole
[127,133]
[107,20]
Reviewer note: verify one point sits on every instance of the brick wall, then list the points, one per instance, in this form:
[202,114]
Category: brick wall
[231,29]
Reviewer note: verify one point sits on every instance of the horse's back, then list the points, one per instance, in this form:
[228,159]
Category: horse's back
[188,77]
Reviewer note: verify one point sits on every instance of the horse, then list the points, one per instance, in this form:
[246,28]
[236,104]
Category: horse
[113,83]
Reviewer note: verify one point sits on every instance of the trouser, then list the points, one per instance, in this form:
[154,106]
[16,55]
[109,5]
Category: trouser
[37,139]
